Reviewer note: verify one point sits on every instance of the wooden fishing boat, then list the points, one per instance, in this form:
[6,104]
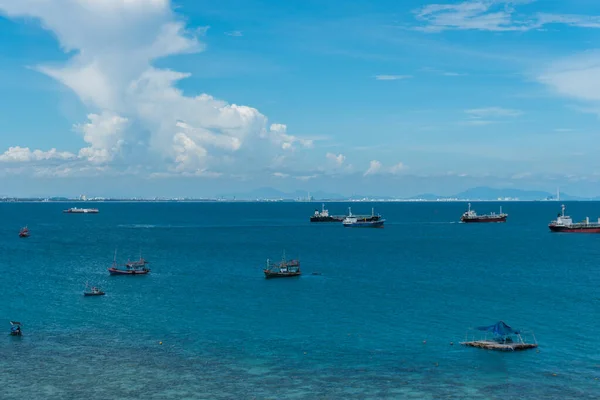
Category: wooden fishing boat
[504,338]
[93,291]
[24,232]
[130,268]
[15,328]
[283,269]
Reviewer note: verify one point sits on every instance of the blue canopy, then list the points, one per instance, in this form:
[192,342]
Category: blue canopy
[499,328]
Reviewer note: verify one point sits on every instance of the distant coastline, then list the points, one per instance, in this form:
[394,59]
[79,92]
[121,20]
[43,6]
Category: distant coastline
[263,195]
[258,200]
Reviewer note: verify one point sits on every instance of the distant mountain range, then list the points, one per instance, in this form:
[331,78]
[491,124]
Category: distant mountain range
[477,193]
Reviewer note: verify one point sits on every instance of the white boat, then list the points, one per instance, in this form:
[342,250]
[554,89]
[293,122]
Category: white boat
[76,210]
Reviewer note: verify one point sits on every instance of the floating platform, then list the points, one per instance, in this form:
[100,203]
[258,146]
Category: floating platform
[493,345]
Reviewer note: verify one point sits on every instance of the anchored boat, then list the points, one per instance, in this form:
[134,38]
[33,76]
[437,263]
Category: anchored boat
[24,232]
[93,291]
[471,216]
[564,223]
[131,268]
[15,328]
[283,269]
[323,216]
[76,210]
[504,338]
[356,221]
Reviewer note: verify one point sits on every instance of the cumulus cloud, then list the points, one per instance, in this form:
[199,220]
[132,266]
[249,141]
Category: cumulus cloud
[374,167]
[105,135]
[137,108]
[24,154]
[337,159]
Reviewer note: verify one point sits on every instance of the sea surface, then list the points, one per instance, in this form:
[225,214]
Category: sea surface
[382,321]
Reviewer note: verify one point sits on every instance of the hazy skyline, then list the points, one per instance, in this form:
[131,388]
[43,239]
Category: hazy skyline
[201,98]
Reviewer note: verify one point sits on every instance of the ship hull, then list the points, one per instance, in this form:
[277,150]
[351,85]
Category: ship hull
[326,219]
[115,271]
[482,220]
[270,275]
[565,229]
[366,224]
[94,294]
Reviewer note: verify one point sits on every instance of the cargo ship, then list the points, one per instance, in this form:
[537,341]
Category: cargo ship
[471,216]
[358,221]
[564,223]
[323,216]
[76,210]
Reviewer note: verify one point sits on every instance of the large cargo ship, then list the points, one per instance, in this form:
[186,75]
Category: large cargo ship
[323,216]
[471,216]
[564,223]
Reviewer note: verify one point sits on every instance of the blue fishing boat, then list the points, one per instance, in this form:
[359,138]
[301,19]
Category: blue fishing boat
[353,221]
[501,337]
[15,328]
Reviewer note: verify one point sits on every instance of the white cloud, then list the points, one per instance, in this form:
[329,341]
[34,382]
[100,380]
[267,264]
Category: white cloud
[139,113]
[392,77]
[394,169]
[104,133]
[581,21]
[577,77]
[493,15]
[337,159]
[234,33]
[278,135]
[374,167]
[493,112]
[280,175]
[24,155]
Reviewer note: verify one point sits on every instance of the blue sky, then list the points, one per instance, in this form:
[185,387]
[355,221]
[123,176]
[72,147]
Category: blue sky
[200,98]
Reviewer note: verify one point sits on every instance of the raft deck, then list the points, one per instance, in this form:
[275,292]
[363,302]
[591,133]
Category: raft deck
[491,345]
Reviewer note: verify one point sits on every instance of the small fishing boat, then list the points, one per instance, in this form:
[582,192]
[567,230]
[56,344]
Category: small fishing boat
[24,232]
[93,291]
[504,338]
[355,221]
[130,268]
[283,269]
[15,328]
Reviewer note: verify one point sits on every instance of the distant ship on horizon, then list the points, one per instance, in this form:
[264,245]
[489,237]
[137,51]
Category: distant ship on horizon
[564,223]
[75,210]
[471,216]
[323,216]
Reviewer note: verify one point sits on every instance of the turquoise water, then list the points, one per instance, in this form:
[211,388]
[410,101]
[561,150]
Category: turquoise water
[376,324]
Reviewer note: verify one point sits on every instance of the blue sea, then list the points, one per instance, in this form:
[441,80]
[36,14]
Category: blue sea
[383,320]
